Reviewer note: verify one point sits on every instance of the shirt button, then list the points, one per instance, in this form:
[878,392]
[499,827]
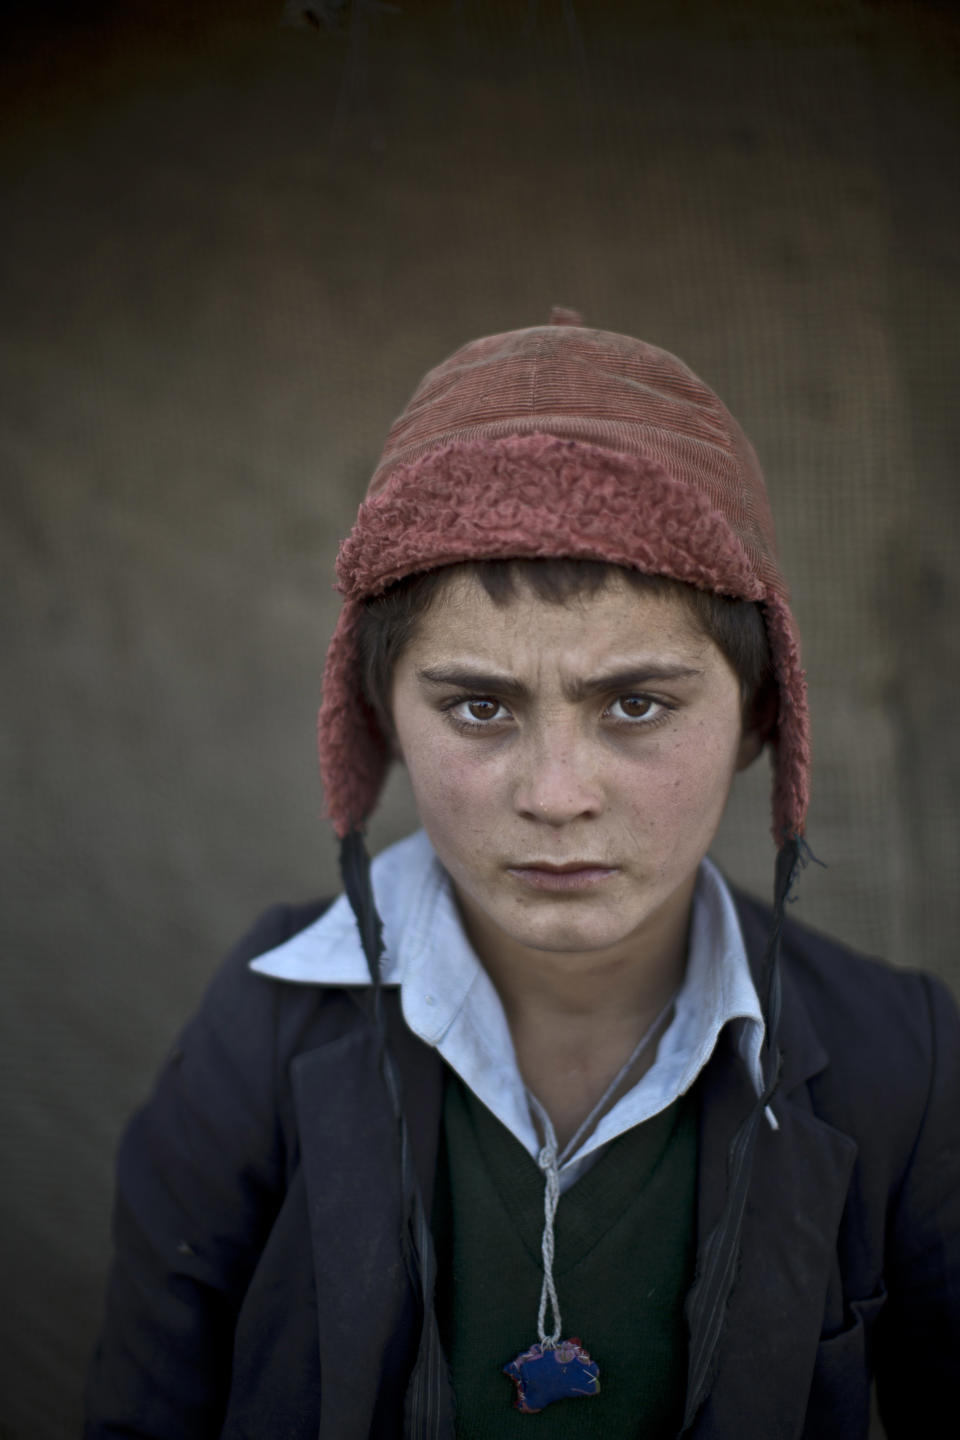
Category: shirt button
[429,1000]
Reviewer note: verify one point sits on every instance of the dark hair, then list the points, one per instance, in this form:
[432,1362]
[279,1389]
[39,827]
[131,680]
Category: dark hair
[389,621]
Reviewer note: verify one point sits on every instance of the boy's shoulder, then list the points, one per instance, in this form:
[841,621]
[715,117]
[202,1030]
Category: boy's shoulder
[837,981]
[256,1016]
[878,1042]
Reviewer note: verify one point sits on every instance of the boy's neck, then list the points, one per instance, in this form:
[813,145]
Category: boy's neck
[575,1019]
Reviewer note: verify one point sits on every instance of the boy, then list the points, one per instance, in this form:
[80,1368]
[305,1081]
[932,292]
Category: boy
[542,1119]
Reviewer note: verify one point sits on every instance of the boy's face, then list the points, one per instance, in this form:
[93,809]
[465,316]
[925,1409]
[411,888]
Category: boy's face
[570,763]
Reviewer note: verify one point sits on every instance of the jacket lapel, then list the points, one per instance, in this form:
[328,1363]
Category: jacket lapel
[798,1188]
[367,1321]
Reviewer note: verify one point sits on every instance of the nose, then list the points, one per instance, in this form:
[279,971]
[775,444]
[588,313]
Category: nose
[557,779]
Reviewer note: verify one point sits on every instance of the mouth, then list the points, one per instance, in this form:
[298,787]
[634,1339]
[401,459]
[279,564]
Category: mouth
[574,875]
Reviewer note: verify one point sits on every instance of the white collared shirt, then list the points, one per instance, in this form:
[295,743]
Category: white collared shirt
[449,1000]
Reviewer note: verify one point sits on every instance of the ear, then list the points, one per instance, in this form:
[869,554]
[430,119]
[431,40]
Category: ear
[759,723]
[751,743]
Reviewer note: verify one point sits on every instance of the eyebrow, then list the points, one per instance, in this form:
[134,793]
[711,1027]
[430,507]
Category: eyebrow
[482,682]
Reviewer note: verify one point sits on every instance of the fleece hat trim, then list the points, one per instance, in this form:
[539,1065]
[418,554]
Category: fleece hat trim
[546,495]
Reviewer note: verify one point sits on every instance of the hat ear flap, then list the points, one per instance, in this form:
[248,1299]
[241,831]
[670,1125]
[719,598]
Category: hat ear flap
[353,751]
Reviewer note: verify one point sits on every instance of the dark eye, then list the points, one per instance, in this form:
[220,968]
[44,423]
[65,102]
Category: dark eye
[637,707]
[482,709]
[477,713]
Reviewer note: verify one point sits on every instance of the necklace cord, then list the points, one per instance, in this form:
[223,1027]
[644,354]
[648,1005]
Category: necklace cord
[548,1289]
[550,1162]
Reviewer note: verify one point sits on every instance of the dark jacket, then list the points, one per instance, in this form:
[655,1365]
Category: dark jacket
[259,1291]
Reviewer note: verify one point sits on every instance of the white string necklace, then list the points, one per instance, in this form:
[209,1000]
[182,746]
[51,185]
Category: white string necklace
[555,1369]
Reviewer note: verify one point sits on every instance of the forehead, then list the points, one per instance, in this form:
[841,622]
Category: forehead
[616,618]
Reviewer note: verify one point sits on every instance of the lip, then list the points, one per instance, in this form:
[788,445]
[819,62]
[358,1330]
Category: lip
[572,876]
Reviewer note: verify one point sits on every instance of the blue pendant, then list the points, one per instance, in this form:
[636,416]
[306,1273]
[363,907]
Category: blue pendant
[560,1372]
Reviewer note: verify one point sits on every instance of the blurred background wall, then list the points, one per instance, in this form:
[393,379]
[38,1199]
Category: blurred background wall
[229,249]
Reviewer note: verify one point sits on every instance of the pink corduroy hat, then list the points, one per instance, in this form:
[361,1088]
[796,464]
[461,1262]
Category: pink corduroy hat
[557,441]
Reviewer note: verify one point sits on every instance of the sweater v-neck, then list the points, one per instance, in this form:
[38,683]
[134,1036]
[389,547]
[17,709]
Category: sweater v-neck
[624,1262]
[589,1208]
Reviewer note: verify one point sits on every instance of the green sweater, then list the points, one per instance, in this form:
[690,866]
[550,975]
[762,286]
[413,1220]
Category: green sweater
[624,1263]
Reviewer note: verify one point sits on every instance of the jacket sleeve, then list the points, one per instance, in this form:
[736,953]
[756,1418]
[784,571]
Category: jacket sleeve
[918,1335]
[200,1174]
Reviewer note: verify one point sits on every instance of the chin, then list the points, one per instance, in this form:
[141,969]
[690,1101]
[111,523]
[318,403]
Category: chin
[564,937]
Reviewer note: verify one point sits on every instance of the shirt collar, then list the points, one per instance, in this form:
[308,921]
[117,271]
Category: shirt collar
[449,1001]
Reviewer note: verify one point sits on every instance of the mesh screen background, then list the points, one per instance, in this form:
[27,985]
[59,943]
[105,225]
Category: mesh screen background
[230,248]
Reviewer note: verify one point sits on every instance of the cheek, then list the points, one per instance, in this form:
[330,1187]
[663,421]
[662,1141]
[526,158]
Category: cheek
[676,805]
[454,795]
[705,768]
